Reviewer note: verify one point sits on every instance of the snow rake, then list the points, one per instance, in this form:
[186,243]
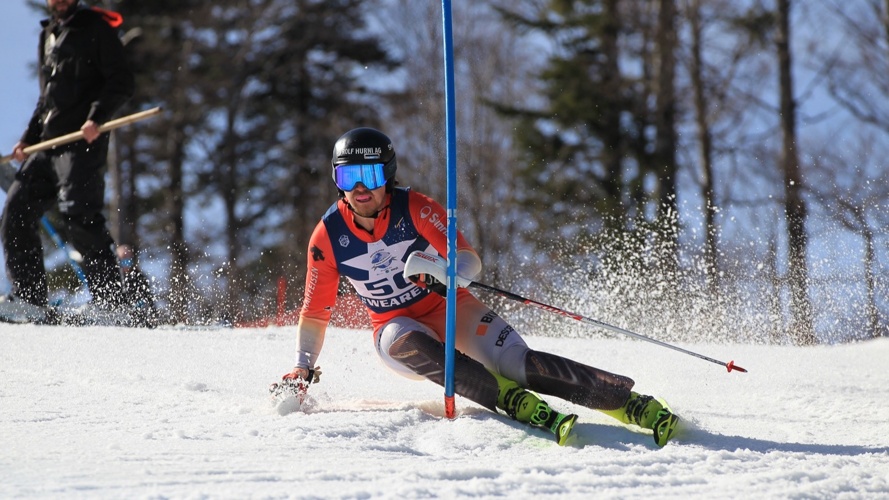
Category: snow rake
[78,135]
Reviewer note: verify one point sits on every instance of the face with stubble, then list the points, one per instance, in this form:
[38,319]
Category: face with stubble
[61,9]
[366,202]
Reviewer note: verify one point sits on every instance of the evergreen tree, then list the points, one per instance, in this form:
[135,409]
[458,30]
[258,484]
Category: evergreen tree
[255,93]
[601,151]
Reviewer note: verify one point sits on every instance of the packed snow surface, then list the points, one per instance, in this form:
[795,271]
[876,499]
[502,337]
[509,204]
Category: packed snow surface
[105,412]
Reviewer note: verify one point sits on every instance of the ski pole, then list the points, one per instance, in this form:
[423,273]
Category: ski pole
[512,296]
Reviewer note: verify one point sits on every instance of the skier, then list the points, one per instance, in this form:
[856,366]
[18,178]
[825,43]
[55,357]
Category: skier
[84,80]
[368,235]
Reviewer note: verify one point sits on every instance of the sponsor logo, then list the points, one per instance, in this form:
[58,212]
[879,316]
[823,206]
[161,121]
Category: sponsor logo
[363,151]
[426,256]
[482,329]
[404,355]
[317,254]
[381,260]
[503,334]
[486,320]
[538,365]
[436,221]
[310,288]
[344,241]
[393,301]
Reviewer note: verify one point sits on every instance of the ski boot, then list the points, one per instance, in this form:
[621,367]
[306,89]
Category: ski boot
[525,406]
[648,413]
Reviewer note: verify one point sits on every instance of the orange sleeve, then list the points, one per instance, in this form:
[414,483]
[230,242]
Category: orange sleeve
[430,219]
[322,278]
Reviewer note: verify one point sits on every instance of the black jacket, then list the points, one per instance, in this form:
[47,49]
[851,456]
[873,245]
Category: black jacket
[83,76]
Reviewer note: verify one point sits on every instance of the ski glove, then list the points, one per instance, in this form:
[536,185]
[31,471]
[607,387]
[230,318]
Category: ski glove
[430,283]
[430,271]
[310,375]
[295,384]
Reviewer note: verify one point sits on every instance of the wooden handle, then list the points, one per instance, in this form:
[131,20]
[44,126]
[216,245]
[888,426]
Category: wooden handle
[76,136]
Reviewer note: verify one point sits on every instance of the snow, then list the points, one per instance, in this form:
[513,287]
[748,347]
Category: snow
[105,412]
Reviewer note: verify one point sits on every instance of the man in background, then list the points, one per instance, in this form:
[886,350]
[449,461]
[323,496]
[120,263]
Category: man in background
[84,80]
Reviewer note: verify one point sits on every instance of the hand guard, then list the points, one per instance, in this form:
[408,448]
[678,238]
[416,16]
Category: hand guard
[430,271]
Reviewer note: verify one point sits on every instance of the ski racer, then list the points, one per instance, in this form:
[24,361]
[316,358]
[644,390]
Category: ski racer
[368,235]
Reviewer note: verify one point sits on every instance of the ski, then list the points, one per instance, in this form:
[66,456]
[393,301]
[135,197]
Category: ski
[14,311]
[18,312]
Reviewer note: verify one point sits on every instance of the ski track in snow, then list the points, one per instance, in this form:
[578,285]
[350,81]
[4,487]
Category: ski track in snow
[105,412]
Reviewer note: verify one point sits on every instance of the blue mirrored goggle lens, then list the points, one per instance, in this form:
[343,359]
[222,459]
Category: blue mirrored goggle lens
[371,175]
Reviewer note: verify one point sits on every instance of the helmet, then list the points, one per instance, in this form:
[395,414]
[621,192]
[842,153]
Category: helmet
[364,145]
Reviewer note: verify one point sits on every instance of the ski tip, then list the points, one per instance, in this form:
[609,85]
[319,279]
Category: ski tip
[563,430]
[665,427]
[732,366]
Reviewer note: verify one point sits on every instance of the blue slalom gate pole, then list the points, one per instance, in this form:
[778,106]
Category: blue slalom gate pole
[451,139]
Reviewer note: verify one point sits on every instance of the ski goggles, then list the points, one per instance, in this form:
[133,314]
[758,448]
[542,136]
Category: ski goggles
[370,174]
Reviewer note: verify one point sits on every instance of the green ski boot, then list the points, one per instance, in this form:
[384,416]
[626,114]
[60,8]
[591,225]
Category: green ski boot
[648,413]
[664,426]
[525,406]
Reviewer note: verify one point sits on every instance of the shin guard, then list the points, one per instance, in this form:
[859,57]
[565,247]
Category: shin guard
[576,382]
[425,356]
